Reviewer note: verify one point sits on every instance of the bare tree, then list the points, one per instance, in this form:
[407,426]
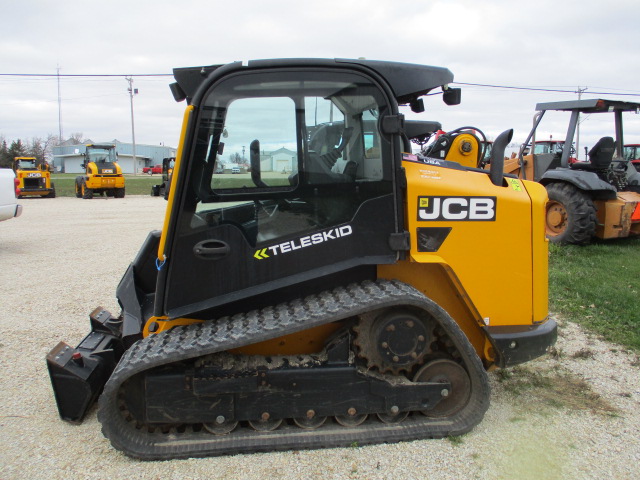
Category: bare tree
[76,137]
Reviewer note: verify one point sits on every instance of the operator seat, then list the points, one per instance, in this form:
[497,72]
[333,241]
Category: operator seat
[600,156]
[319,166]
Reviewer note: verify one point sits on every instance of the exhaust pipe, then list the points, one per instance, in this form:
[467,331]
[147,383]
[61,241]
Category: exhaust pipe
[496,172]
[79,374]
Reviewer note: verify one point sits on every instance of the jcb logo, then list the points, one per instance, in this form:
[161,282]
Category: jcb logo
[457,208]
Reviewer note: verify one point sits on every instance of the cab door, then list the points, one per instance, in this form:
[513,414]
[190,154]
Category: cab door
[314,197]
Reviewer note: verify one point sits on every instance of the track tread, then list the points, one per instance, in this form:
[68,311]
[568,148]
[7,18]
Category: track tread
[186,342]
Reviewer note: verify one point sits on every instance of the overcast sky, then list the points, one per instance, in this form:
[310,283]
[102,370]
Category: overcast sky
[555,45]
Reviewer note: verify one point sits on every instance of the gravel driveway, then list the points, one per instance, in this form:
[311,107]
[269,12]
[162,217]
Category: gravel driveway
[571,415]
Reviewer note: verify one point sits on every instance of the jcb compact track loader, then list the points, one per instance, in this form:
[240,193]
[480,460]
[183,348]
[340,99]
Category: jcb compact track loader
[353,299]
[34,180]
[102,175]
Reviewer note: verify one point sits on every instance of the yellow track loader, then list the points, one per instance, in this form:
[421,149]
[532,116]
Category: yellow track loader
[34,180]
[360,297]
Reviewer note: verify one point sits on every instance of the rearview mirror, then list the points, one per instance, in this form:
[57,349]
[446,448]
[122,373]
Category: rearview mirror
[452,96]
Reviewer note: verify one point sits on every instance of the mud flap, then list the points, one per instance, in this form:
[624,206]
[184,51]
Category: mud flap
[79,374]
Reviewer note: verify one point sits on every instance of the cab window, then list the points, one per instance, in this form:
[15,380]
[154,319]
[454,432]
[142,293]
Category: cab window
[309,154]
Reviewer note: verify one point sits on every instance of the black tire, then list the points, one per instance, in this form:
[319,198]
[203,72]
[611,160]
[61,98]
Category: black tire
[87,193]
[52,194]
[570,214]
[119,192]
[78,187]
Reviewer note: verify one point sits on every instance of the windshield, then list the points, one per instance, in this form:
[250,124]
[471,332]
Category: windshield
[95,154]
[631,152]
[26,164]
[548,147]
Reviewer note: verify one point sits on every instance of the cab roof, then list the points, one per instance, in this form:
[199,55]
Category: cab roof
[594,105]
[407,81]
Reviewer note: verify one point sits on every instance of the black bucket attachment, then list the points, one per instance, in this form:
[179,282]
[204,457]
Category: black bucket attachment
[79,374]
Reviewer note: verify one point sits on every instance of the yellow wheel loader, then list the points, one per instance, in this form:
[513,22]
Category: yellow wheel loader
[34,180]
[102,175]
[352,299]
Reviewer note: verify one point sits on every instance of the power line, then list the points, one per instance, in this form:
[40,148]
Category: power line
[537,89]
[483,85]
[86,75]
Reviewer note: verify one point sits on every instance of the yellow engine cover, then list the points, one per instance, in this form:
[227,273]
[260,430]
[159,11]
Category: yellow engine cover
[490,239]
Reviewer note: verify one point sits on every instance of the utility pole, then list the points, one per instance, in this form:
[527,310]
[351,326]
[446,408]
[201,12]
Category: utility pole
[133,91]
[60,139]
[579,92]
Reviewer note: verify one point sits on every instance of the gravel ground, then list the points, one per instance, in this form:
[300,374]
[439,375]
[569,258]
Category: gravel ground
[572,414]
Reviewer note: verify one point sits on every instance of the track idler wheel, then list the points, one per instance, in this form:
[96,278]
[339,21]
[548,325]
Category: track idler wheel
[351,419]
[391,418]
[266,423]
[311,421]
[221,426]
[446,371]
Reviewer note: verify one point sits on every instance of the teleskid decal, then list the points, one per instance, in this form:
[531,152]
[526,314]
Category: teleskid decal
[457,209]
[303,242]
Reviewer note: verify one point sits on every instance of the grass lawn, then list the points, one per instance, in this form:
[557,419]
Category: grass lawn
[598,286]
[134,184]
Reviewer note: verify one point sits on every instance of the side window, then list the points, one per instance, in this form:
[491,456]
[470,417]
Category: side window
[278,158]
[342,140]
[259,136]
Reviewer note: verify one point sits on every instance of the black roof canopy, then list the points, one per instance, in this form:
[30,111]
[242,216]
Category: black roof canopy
[407,81]
[594,105]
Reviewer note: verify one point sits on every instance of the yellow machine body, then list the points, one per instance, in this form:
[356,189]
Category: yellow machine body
[34,180]
[474,249]
[102,175]
[97,179]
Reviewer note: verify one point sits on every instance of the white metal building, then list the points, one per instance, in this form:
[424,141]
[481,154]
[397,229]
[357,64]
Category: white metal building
[68,158]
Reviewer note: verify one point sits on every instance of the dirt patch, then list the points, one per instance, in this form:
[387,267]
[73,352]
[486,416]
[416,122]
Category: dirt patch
[554,387]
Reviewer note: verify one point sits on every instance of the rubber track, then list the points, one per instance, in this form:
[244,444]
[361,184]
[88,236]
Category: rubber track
[195,340]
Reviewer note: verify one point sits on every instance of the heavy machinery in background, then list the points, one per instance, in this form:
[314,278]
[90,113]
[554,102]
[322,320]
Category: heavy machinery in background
[347,301]
[162,189]
[632,154]
[596,198]
[103,175]
[34,179]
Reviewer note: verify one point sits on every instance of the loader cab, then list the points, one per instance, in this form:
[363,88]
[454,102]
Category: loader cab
[319,203]
[100,154]
[25,163]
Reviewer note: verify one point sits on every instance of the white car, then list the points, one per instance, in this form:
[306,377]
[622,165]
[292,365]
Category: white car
[9,207]
[235,169]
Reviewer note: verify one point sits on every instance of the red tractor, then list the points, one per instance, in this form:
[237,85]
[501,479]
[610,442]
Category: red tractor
[631,152]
